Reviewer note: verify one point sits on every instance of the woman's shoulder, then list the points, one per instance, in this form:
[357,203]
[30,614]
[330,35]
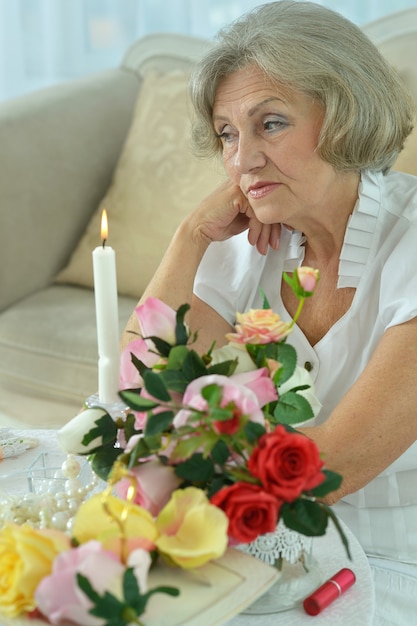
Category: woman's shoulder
[400,194]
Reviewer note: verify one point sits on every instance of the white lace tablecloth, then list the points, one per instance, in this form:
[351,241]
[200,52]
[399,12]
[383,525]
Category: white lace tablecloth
[47,443]
[355,607]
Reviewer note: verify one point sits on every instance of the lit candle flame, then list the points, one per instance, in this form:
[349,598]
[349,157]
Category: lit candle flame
[104,227]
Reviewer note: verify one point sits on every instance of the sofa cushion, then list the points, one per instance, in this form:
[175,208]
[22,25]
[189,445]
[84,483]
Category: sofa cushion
[57,165]
[48,352]
[156,183]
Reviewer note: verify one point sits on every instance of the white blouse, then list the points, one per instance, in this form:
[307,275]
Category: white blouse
[379,259]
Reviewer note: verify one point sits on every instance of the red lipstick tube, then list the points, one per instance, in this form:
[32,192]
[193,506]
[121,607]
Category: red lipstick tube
[329,591]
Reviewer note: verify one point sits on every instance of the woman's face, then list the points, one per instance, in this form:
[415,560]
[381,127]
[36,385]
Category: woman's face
[269,143]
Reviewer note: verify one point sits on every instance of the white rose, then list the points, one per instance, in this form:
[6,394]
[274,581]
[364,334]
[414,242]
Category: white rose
[302,377]
[140,560]
[232,351]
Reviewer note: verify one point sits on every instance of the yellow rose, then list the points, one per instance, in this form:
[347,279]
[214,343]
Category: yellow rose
[259,326]
[111,520]
[192,531]
[26,556]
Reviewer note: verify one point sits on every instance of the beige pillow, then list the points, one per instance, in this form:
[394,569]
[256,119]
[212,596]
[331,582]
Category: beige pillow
[156,183]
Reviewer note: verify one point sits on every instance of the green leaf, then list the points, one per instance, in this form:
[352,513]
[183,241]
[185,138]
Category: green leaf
[155,386]
[196,469]
[217,483]
[224,368]
[102,461]
[339,529]
[219,414]
[174,380]
[107,605]
[85,585]
[186,447]
[300,388]
[162,347]
[176,357]
[294,282]
[287,356]
[256,353]
[159,422]
[331,483]
[253,431]
[220,452]
[129,428]
[139,365]
[117,612]
[265,303]
[292,409]
[131,591]
[136,402]
[193,366]
[307,517]
[171,591]
[105,428]
[145,447]
[213,394]
[181,331]
[291,280]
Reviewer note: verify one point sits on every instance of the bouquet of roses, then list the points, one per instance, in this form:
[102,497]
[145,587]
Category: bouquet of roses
[220,422]
[205,455]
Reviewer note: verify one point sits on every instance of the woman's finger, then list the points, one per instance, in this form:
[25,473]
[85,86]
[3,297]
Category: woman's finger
[274,236]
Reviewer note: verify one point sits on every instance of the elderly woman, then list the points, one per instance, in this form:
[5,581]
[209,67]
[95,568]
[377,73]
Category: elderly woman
[309,118]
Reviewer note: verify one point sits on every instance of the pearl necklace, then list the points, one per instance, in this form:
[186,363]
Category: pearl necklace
[51,502]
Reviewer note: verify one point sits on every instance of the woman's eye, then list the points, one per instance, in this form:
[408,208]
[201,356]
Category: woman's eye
[225,135]
[274,124]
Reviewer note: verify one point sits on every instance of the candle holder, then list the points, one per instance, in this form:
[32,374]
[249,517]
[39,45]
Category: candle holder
[114,409]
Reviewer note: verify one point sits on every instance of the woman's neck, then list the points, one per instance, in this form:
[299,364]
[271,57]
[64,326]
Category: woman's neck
[325,228]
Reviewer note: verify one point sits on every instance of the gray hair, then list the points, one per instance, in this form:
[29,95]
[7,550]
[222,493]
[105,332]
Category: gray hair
[302,46]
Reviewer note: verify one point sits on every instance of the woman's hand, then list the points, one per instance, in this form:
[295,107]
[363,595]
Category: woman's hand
[226,212]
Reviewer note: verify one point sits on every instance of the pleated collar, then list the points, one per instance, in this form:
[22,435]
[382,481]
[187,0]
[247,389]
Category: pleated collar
[358,236]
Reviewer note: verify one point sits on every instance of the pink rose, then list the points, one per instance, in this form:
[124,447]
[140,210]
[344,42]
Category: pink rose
[259,326]
[59,597]
[129,375]
[260,383]
[141,417]
[235,394]
[307,277]
[154,485]
[131,443]
[157,319]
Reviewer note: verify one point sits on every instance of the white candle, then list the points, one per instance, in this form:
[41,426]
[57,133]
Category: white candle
[105,290]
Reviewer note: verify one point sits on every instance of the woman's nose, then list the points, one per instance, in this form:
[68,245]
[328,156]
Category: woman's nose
[249,155]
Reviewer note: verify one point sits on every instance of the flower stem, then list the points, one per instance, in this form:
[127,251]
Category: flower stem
[298,312]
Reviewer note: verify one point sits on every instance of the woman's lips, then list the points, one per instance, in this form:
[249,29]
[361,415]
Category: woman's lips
[261,190]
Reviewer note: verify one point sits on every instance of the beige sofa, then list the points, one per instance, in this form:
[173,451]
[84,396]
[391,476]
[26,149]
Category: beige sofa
[120,140]
[117,139]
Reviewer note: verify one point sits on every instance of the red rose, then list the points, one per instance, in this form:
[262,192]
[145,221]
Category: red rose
[230,426]
[286,463]
[251,511]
